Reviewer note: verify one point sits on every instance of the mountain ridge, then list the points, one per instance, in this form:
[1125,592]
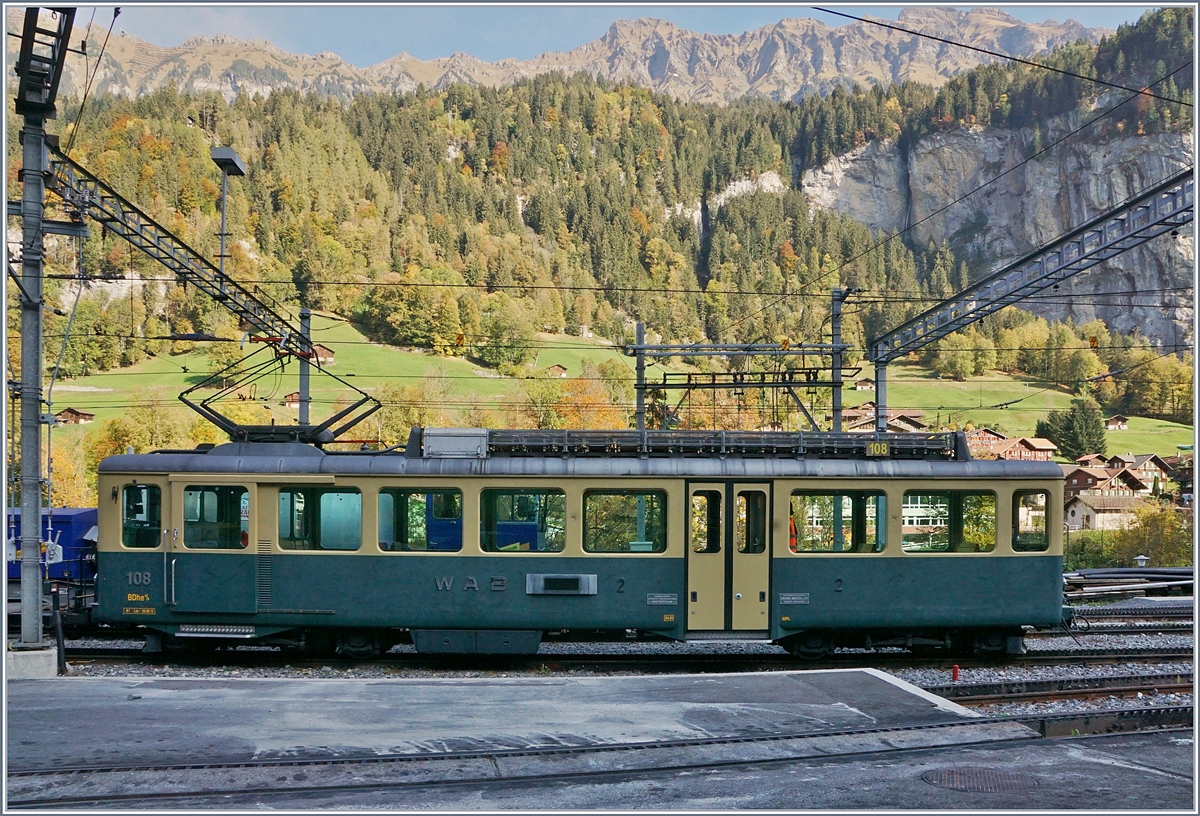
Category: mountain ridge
[781,61]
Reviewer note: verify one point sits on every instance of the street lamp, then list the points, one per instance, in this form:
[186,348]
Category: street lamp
[231,165]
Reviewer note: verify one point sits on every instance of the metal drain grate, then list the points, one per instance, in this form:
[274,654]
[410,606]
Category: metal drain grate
[979,780]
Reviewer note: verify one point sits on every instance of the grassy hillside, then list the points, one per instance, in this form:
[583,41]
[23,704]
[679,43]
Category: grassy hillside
[912,386]
[370,365]
[366,364]
[570,352]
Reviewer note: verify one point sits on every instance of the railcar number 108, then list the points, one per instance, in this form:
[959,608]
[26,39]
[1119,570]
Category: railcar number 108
[485,541]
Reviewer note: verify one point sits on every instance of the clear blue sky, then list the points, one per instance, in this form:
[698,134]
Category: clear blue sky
[365,35]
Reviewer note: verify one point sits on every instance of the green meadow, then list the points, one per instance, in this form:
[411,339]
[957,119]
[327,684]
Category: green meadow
[1011,405]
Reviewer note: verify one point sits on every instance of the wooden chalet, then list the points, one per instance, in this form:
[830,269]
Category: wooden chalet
[323,354]
[1148,467]
[74,416]
[1025,448]
[1102,482]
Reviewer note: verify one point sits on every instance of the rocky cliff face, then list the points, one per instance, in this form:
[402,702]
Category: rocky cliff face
[781,61]
[891,190]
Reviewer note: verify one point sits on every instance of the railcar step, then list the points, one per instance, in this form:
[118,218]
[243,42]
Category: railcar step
[742,636]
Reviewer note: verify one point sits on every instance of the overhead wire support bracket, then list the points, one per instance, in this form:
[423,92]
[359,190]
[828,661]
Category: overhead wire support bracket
[663,350]
[1165,207]
[87,195]
[94,198]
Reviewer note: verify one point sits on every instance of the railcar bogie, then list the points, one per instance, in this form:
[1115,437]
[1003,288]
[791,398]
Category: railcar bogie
[486,553]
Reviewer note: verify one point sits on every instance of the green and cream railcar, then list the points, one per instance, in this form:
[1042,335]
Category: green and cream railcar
[483,541]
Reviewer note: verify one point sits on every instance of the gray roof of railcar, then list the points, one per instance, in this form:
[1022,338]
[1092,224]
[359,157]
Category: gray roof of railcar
[295,458]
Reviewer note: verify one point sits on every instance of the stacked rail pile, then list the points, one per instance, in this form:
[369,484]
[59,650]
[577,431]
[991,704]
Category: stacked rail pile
[1132,581]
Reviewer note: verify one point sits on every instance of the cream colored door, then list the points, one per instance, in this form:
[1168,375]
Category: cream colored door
[751,556]
[707,551]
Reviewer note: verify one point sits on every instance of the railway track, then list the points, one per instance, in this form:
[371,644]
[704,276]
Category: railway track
[632,663]
[1088,628]
[232,783]
[1072,688]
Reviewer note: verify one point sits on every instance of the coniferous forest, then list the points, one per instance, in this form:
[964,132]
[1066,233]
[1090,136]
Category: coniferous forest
[463,220]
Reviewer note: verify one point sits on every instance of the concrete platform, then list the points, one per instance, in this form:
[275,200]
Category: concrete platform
[30,664]
[84,721]
[807,744]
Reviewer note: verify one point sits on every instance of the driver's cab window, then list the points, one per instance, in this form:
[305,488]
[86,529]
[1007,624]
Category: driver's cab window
[141,516]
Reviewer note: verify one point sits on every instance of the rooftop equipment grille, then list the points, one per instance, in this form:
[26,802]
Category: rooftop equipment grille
[939,446]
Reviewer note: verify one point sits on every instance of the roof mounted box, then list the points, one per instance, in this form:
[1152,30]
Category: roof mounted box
[455,443]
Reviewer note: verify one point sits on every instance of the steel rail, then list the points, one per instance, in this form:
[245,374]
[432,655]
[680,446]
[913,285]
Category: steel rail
[1164,628]
[554,750]
[647,758]
[633,662]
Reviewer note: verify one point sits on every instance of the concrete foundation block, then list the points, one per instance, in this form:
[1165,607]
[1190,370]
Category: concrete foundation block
[31,664]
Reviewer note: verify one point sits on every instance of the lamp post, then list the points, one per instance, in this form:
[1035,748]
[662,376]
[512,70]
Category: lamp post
[231,165]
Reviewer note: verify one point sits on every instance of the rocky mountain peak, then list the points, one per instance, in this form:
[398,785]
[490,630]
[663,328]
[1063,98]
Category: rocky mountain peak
[780,61]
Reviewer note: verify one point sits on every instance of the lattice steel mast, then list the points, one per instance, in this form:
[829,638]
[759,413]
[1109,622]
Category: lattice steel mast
[39,66]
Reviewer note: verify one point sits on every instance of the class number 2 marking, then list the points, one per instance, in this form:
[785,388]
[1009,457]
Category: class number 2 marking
[620,585]
[138,578]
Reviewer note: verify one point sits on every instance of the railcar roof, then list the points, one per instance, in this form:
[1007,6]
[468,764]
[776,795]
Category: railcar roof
[295,458]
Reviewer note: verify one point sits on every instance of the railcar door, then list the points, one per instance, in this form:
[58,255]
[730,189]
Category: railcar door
[751,554]
[210,566]
[729,555]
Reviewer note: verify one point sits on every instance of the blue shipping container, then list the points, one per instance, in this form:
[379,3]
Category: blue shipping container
[72,528]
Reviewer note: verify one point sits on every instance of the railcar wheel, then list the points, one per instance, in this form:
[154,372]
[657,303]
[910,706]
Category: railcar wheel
[989,643]
[809,645]
[359,645]
[319,643]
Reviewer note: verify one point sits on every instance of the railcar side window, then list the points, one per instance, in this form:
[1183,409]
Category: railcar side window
[624,521]
[851,521]
[522,520]
[750,521]
[312,518]
[704,529]
[422,520]
[141,516]
[949,521]
[216,517]
[1029,522]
